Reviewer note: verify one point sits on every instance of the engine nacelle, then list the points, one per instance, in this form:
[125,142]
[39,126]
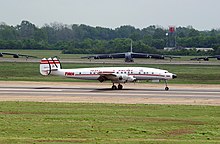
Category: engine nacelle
[125,78]
[15,56]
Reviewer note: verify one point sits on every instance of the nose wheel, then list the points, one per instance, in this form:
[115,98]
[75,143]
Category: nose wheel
[166,88]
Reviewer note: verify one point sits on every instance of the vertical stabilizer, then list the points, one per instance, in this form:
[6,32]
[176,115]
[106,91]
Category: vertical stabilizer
[49,65]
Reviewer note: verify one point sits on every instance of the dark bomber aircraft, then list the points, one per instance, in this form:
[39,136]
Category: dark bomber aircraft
[129,56]
[206,58]
[15,55]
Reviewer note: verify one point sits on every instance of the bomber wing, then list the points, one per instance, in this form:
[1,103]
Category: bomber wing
[206,58]
[16,55]
[106,56]
[154,56]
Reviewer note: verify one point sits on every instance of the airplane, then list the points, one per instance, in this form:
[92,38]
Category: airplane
[206,58]
[16,55]
[129,56]
[117,75]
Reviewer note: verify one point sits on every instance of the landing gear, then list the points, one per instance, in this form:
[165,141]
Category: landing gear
[114,87]
[166,88]
[120,87]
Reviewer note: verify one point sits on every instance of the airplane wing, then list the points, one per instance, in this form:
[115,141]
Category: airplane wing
[106,56]
[206,58]
[154,56]
[106,76]
[16,55]
[139,55]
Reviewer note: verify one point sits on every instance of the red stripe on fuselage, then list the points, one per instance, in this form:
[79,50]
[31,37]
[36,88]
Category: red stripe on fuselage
[49,62]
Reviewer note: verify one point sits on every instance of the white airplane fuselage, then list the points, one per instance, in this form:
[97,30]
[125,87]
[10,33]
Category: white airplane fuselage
[139,73]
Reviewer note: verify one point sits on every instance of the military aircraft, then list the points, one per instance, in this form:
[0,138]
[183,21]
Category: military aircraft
[129,56]
[206,58]
[16,55]
[117,75]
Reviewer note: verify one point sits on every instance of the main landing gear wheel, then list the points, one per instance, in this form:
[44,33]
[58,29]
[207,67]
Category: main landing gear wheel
[120,87]
[114,87]
[166,88]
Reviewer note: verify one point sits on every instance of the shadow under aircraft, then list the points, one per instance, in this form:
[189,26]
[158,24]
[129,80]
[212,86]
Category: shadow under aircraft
[129,56]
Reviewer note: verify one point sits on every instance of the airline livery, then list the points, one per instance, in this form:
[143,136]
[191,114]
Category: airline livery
[117,75]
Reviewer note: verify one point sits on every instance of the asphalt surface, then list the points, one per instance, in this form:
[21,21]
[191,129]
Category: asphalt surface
[101,93]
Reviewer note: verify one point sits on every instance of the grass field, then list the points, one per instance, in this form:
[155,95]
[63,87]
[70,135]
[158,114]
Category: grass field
[187,74]
[30,122]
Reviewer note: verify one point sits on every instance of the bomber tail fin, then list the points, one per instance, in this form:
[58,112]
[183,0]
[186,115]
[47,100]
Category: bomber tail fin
[49,65]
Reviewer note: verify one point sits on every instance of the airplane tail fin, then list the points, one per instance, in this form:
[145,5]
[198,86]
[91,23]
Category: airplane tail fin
[49,65]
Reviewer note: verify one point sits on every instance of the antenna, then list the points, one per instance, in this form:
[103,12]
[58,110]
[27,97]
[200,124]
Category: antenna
[131,47]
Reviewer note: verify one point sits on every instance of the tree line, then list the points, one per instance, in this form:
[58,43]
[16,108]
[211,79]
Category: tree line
[84,39]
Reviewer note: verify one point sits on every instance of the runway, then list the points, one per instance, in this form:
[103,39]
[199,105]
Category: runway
[101,93]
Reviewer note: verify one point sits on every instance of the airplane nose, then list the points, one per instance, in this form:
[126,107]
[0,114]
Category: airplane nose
[174,76]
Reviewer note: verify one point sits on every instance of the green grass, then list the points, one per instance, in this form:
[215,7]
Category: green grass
[187,74]
[31,122]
